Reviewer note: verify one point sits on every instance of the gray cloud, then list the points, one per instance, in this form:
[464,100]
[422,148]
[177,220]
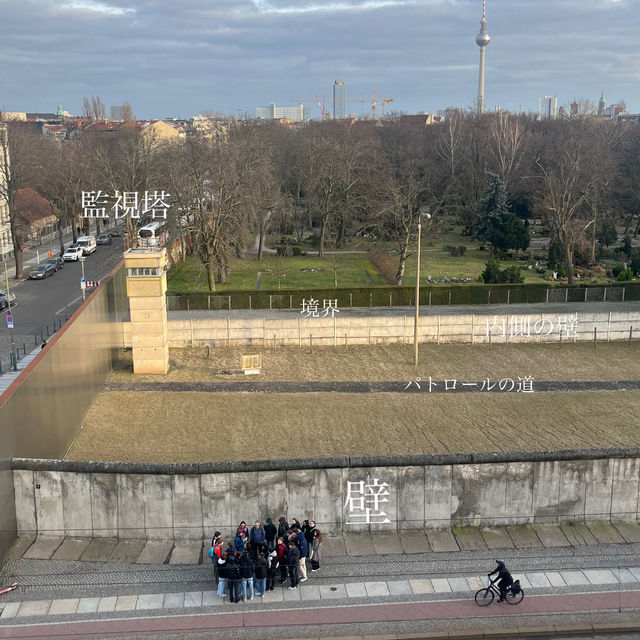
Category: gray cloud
[171,58]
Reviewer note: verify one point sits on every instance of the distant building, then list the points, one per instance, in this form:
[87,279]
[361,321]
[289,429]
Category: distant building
[629,117]
[117,112]
[159,131]
[13,115]
[614,110]
[602,105]
[295,114]
[209,127]
[339,99]
[548,107]
[35,216]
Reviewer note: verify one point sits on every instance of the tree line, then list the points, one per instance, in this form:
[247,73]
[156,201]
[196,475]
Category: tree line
[492,173]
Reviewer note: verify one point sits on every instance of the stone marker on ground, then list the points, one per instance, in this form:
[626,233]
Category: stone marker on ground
[150,601]
[356,589]
[524,536]
[186,553]
[376,589]
[441,585]
[193,599]
[173,601]
[441,540]
[107,604]
[310,592]
[332,592]
[10,610]
[71,549]
[34,608]
[414,541]
[127,551]
[399,587]
[358,544]
[20,546]
[155,552]
[574,578]
[600,576]
[458,584]
[88,605]
[496,538]
[537,579]
[469,538]
[386,544]
[126,603]
[550,535]
[43,548]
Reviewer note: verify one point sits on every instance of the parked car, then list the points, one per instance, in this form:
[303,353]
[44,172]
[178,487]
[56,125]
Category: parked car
[104,238]
[87,244]
[57,263]
[42,271]
[72,254]
[4,303]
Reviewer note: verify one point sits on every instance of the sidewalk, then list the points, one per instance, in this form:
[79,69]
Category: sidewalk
[370,579]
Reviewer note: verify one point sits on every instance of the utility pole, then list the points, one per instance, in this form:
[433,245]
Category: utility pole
[417,317]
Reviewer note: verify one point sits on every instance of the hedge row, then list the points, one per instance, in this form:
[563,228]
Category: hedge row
[389,296]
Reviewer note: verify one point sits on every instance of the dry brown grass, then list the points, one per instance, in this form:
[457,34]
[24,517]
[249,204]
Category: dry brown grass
[609,361]
[191,427]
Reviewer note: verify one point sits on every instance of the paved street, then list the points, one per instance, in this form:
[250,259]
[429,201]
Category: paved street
[45,302]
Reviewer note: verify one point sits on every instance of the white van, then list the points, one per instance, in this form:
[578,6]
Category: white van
[87,244]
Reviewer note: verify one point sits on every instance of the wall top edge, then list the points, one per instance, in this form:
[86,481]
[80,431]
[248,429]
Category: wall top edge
[197,468]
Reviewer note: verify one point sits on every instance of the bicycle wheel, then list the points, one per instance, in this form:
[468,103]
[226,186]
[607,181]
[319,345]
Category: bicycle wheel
[484,597]
[515,598]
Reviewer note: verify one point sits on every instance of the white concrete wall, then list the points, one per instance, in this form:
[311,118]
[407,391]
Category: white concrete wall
[190,506]
[475,329]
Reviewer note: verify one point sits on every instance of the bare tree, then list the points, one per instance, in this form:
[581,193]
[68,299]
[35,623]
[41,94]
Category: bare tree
[94,108]
[18,152]
[127,113]
[507,143]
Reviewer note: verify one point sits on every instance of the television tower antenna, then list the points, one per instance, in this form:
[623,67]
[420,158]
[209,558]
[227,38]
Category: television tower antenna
[482,40]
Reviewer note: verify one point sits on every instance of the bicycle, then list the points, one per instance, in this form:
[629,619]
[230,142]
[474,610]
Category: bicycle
[484,597]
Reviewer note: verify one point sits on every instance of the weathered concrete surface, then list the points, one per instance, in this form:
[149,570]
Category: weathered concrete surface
[386,543]
[333,546]
[187,508]
[186,553]
[551,535]
[43,548]
[442,540]
[104,505]
[99,550]
[359,544]
[630,531]
[469,538]
[127,551]
[577,533]
[25,502]
[155,552]
[496,538]
[131,507]
[414,542]
[71,549]
[605,533]
[524,536]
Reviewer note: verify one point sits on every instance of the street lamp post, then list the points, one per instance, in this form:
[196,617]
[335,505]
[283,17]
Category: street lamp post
[417,317]
[14,356]
[83,282]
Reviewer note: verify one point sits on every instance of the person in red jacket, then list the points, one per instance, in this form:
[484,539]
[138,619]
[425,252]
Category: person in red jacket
[281,550]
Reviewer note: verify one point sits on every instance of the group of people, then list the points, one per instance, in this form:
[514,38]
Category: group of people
[260,556]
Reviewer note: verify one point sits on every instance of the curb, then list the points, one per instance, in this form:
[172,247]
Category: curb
[518,632]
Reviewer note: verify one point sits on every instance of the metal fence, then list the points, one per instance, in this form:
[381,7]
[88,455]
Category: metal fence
[401,296]
[25,343]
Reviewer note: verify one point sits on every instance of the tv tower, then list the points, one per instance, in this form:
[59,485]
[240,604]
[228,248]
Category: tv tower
[482,40]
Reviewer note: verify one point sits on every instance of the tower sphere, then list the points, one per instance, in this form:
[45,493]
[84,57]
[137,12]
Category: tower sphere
[483,39]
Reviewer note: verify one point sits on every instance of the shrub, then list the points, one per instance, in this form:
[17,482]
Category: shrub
[617,270]
[296,250]
[604,252]
[635,263]
[282,250]
[625,275]
[383,263]
[513,274]
[492,273]
[454,251]
[462,250]
[626,246]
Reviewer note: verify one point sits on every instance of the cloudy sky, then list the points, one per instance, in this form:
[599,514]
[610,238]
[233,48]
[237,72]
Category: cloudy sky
[181,57]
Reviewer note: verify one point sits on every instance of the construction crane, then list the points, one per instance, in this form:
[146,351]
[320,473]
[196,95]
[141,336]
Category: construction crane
[321,102]
[374,100]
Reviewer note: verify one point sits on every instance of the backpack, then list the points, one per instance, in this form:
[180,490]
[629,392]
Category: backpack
[515,587]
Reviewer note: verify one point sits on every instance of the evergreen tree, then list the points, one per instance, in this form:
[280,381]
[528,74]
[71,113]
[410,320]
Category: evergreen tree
[496,224]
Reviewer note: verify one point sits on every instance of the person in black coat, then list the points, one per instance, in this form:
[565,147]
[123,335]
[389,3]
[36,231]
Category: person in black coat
[293,562]
[247,573]
[505,578]
[233,575]
[270,533]
[260,580]
[272,569]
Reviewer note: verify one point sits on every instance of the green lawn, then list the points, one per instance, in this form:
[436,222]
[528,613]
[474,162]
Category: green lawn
[295,272]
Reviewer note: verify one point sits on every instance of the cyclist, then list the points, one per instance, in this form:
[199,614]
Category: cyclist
[505,578]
